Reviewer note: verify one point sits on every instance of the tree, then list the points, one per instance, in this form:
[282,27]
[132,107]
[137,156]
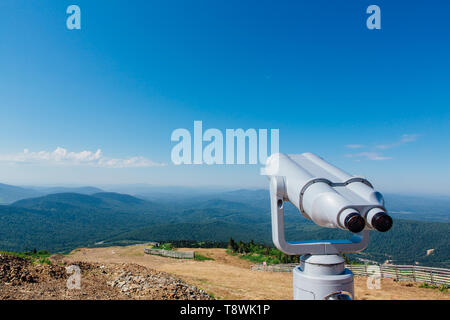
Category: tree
[241,247]
[232,245]
[346,259]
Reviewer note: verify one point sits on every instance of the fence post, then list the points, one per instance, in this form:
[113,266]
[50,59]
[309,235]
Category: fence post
[431,276]
[365,270]
[414,273]
[381,271]
[396,272]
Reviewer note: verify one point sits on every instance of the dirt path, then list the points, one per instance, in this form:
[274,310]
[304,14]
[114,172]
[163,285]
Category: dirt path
[228,277]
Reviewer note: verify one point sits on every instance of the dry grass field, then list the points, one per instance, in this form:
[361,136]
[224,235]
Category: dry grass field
[229,277]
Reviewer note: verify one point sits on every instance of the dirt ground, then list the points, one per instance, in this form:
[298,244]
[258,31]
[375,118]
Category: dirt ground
[229,277]
[23,279]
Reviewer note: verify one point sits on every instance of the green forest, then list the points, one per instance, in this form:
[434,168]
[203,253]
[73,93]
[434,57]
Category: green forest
[62,222]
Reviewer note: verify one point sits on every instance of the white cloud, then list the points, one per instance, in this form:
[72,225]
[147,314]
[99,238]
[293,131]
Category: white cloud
[377,156]
[409,138]
[354,146]
[406,138]
[61,156]
[374,156]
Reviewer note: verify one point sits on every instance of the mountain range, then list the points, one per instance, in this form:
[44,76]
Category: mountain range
[10,194]
[60,222]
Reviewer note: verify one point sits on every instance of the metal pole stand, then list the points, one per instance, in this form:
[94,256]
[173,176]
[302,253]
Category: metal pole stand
[322,277]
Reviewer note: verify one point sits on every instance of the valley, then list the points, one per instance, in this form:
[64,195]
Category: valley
[61,222]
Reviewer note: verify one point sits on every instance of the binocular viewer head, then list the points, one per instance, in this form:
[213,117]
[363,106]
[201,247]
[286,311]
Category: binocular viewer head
[327,195]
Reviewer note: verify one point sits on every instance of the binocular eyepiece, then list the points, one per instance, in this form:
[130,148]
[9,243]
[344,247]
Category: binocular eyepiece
[379,221]
[354,222]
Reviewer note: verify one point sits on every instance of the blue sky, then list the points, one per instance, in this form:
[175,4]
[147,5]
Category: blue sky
[373,102]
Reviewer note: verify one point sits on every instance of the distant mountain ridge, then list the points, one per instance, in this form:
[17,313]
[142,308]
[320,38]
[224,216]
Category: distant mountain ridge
[10,193]
[64,221]
[98,201]
[423,208]
[82,190]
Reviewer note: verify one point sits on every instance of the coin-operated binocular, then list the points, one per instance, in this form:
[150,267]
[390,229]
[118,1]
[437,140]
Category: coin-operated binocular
[330,198]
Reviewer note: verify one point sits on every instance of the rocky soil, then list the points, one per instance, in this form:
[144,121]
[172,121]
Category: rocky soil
[16,271]
[22,278]
[140,283]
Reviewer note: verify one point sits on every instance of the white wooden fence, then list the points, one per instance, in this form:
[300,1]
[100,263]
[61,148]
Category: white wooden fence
[397,272]
[170,253]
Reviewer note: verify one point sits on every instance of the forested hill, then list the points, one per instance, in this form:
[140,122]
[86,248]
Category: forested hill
[61,222]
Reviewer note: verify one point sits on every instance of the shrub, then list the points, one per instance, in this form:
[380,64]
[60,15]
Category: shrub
[199,257]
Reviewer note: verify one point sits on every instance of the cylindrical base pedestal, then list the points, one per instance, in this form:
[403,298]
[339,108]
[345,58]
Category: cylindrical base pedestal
[320,277]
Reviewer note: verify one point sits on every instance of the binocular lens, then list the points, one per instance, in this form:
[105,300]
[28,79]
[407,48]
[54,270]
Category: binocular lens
[355,223]
[382,222]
